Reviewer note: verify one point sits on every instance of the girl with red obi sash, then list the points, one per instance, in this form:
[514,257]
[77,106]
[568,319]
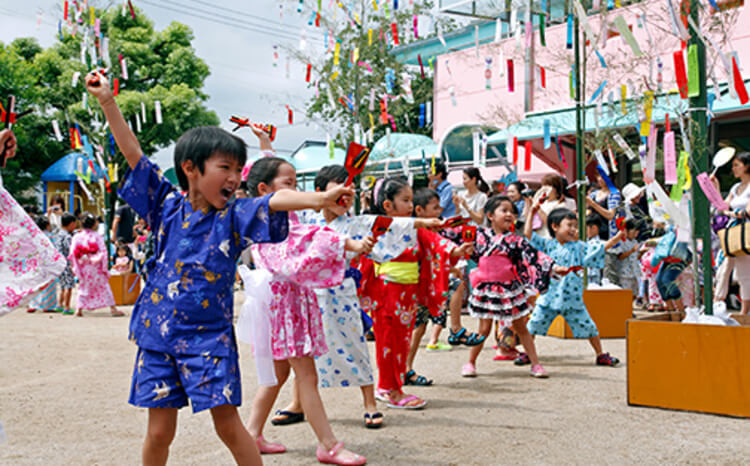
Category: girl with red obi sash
[511,272]
[392,290]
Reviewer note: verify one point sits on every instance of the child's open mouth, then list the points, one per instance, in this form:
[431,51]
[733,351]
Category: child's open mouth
[226,193]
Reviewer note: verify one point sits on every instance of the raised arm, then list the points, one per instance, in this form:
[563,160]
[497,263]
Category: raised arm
[98,85]
[286,199]
[527,227]
[606,213]
[614,240]
[265,141]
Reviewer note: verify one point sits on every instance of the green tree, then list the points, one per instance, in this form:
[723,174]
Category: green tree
[162,66]
[354,83]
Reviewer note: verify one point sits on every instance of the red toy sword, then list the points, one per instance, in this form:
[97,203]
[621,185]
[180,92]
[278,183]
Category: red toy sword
[381,226]
[9,117]
[455,222]
[356,158]
[269,129]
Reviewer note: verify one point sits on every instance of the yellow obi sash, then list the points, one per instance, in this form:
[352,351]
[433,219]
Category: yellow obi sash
[405,273]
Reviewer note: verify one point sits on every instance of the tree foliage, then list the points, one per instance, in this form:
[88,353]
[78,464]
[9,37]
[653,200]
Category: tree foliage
[162,66]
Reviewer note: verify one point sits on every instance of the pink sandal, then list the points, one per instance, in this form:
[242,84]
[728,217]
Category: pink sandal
[331,456]
[267,448]
[404,403]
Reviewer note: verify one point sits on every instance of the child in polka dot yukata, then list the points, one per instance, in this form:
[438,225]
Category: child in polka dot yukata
[565,294]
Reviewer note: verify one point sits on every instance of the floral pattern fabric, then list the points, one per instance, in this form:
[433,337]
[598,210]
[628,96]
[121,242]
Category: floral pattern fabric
[88,256]
[28,260]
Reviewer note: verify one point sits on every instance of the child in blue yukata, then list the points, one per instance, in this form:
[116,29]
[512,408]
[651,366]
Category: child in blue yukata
[183,319]
[593,226]
[565,294]
[628,267]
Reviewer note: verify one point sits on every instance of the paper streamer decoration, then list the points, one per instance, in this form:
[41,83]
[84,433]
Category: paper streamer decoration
[560,153]
[624,146]
[143,113]
[452,92]
[693,84]
[683,177]
[394,33]
[76,75]
[56,129]
[542,77]
[123,67]
[488,73]
[515,151]
[623,99]
[498,30]
[308,73]
[527,156]
[601,58]
[739,84]
[670,159]
[612,160]
[648,108]
[543,30]
[511,79]
[676,216]
[422,118]
[607,179]
[547,135]
[680,74]
[116,87]
[584,20]
[569,40]
[627,34]
[678,28]
[714,197]
[336,53]
[598,92]
[290,115]
[157,111]
[650,172]
[572,82]
[600,160]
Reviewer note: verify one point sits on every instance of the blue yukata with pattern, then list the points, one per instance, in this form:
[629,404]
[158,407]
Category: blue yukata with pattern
[565,294]
[183,319]
[347,362]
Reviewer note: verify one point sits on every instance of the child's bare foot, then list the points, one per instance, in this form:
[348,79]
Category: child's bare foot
[116,312]
[339,455]
[404,401]
[79,313]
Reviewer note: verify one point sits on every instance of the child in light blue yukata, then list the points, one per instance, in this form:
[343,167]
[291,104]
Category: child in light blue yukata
[182,322]
[593,226]
[565,294]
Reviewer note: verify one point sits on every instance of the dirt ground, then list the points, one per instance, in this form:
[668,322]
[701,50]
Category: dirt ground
[64,385]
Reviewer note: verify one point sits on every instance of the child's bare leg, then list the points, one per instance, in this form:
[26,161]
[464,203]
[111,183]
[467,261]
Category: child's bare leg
[66,298]
[368,398]
[435,335]
[162,423]
[307,377]
[240,442]
[519,326]
[596,343]
[265,398]
[455,307]
[416,339]
[295,406]
[485,327]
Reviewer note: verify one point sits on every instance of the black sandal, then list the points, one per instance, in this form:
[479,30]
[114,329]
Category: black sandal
[291,418]
[370,420]
[419,380]
[461,338]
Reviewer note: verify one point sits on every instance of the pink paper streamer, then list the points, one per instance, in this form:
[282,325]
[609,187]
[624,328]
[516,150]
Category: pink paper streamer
[651,157]
[529,33]
[366,65]
[670,159]
[711,193]
[416,28]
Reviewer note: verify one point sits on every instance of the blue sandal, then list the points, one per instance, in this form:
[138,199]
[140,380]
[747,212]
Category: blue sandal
[462,338]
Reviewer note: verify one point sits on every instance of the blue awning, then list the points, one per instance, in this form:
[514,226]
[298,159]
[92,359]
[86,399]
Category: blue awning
[64,169]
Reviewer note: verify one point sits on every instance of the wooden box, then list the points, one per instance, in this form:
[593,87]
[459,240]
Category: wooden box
[125,288]
[690,367]
[609,309]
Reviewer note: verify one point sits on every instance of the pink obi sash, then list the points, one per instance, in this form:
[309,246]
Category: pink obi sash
[493,269]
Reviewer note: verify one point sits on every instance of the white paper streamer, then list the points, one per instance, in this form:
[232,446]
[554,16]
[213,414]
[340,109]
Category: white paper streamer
[254,323]
[76,76]
[157,111]
[124,65]
[56,129]
[137,123]
[143,113]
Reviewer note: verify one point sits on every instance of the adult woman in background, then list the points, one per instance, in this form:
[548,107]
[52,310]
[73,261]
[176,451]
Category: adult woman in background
[471,203]
[553,187]
[739,201]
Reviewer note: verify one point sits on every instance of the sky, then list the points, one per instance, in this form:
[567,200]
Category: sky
[235,38]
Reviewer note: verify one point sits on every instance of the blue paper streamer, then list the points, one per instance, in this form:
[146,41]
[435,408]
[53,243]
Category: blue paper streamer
[312,19]
[422,110]
[607,180]
[714,5]
[601,59]
[395,4]
[569,42]
[557,143]
[547,136]
[610,4]
[598,91]
[111,144]
[710,98]
[59,29]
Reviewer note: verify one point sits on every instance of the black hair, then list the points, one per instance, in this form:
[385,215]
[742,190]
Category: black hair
[594,220]
[473,172]
[125,247]
[67,219]
[42,222]
[423,197]
[440,169]
[388,191]
[329,173]
[744,158]
[557,216]
[58,200]
[519,186]
[494,202]
[556,182]
[631,224]
[264,170]
[200,144]
[88,221]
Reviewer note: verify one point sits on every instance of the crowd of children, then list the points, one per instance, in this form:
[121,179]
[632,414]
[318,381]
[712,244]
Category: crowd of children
[321,279]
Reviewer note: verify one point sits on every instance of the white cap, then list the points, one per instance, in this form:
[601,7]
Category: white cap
[631,191]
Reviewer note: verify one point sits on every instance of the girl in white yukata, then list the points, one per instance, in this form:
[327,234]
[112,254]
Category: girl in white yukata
[347,362]
[311,256]
[28,260]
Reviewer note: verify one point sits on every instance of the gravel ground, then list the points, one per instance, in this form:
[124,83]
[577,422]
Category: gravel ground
[64,385]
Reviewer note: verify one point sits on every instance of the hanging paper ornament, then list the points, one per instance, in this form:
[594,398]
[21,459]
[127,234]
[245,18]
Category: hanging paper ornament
[336,53]
[488,73]
[76,75]
[680,74]
[137,123]
[123,67]
[650,172]
[600,160]
[693,78]
[428,113]
[543,30]
[290,115]
[739,84]
[116,87]
[416,27]
[498,30]
[612,160]
[422,118]
[572,82]
[452,92]
[511,79]
[157,112]
[547,134]
[627,34]
[624,146]
[515,151]
[560,152]
[56,129]
[421,66]
[394,33]
[132,10]
[569,37]
[542,77]
[598,92]
[601,58]
[670,159]
[65,10]
[307,74]
[527,156]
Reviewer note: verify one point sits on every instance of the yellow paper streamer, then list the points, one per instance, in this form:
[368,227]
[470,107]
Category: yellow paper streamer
[92,16]
[372,121]
[623,99]
[369,37]
[334,75]
[336,52]
[648,107]
[356,55]
[432,165]
[375,4]
[618,4]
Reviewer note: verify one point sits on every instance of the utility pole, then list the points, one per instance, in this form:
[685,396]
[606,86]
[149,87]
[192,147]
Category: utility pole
[700,217]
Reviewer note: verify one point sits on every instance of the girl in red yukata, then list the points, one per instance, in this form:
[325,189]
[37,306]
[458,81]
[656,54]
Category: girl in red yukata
[393,290]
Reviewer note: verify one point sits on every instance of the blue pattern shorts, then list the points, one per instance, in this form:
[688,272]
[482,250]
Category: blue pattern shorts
[579,321]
